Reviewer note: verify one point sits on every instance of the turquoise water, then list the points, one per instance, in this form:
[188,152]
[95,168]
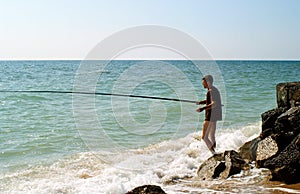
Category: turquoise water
[36,127]
[251,87]
[41,128]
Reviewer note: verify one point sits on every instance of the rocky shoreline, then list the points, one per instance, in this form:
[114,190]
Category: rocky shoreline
[277,148]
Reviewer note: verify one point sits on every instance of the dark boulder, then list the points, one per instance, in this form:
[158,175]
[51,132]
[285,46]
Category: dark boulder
[282,124]
[286,166]
[289,121]
[277,148]
[233,163]
[268,120]
[147,189]
[222,166]
[248,150]
[288,94]
[212,167]
[287,127]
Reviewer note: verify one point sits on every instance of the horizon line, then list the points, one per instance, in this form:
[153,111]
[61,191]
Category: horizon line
[151,59]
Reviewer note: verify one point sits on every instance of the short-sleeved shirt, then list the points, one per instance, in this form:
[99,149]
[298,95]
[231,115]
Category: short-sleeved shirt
[215,113]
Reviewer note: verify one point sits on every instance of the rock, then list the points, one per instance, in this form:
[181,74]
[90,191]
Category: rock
[266,149]
[268,120]
[286,166]
[248,150]
[288,120]
[85,176]
[212,167]
[282,124]
[280,150]
[147,189]
[234,164]
[288,94]
[287,127]
[277,148]
[221,166]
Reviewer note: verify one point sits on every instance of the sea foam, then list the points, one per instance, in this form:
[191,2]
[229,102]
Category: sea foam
[164,163]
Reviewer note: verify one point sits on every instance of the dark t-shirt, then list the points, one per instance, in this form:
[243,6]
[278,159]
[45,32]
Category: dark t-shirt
[213,114]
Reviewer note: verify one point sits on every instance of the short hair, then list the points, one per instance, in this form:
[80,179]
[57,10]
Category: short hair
[208,78]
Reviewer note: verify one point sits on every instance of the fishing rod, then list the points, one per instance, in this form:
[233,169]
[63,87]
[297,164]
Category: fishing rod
[98,93]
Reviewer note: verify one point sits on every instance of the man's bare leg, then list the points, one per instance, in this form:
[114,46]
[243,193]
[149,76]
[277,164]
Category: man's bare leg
[205,133]
[212,132]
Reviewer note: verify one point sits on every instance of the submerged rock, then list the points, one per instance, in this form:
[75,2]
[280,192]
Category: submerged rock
[222,166]
[147,189]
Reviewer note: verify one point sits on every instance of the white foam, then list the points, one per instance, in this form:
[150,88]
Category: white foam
[284,190]
[156,164]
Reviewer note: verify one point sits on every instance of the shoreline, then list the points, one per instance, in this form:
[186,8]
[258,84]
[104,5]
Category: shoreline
[276,184]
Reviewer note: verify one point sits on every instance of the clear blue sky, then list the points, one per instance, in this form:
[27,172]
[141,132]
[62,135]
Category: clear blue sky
[229,29]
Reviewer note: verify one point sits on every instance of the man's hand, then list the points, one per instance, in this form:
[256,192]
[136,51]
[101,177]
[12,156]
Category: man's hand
[200,109]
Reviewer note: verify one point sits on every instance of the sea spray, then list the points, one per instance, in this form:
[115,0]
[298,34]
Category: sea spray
[166,163]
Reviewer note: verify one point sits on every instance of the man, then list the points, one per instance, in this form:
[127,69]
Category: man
[213,112]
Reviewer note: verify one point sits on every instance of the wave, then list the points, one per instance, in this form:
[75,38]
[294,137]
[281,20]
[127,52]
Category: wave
[171,164]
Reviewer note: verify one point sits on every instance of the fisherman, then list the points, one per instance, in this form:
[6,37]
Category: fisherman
[213,112]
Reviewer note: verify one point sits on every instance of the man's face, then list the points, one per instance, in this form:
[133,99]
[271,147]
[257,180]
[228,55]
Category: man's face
[204,83]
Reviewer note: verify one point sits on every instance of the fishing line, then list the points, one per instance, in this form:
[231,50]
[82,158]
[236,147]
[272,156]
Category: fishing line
[99,93]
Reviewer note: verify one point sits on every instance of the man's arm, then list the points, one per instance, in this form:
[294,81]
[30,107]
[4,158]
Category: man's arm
[207,107]
[201,102]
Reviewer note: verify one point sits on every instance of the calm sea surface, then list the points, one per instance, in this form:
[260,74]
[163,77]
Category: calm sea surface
[50,141]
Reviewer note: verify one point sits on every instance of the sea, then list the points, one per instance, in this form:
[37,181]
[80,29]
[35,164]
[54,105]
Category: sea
[74,126]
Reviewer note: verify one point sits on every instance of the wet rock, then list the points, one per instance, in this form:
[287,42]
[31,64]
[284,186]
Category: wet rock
[147,189]
[234,164]
[288,120]
[280,152]
[248,150]
[286,166]
[288,94]
[279,149]
[282,124]
[287,127]
[212,167]
[266,149]
[221,166]
[268,120]
[85,176]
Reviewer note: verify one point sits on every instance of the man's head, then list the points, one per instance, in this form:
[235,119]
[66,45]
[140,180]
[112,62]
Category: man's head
[207,81]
